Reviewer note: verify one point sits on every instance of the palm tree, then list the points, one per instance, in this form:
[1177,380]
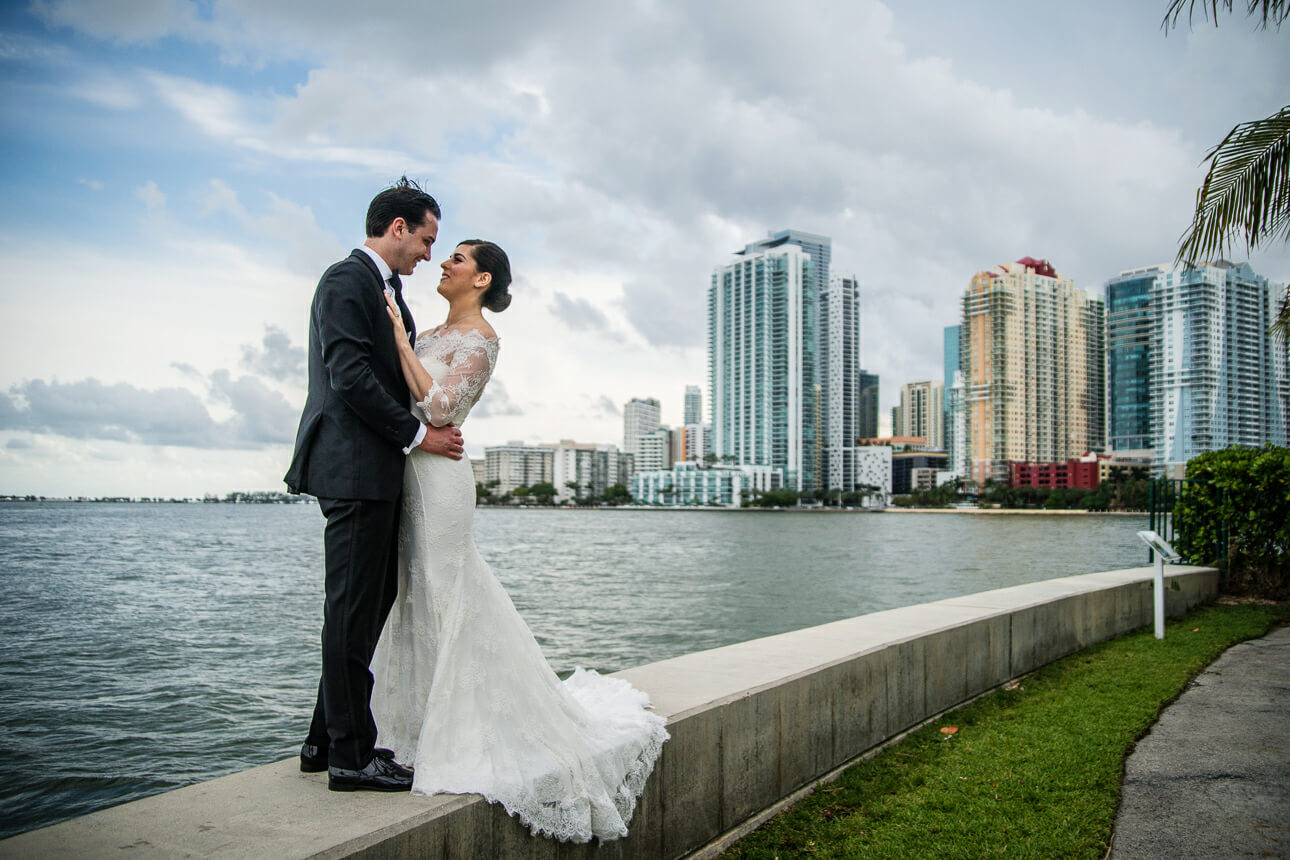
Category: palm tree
[1281,326]
[1247,189]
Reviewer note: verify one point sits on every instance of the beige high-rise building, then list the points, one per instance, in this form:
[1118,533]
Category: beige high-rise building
[921,413]
[1032,357]
[640,419]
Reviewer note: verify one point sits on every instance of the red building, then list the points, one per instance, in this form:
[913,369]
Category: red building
[1079,474]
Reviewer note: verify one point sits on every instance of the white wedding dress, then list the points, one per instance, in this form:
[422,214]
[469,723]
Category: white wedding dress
[462,691]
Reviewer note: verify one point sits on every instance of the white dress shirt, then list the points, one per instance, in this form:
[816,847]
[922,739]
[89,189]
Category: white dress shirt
[386,274]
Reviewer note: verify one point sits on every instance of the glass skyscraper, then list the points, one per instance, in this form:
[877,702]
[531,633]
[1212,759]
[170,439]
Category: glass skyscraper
[952,413]
[868,405]
[693,405]
[762,330]
[1128,359]
[1217,377]
[1190,364]
[819,247]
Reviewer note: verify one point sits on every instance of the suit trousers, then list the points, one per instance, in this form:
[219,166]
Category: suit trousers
[362,562]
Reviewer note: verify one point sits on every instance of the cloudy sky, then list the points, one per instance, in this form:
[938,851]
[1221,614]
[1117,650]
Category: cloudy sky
[177,174]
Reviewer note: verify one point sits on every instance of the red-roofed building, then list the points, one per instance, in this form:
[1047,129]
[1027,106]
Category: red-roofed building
[1041,267]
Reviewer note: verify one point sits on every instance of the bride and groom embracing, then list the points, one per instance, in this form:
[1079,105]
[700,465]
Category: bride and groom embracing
[422,649]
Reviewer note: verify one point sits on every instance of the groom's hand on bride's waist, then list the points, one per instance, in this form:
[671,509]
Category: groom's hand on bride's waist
[444,441]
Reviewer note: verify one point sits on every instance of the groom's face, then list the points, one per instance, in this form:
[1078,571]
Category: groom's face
[412,245]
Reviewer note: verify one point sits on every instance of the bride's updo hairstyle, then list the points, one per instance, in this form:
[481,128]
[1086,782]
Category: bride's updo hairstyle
[492,259]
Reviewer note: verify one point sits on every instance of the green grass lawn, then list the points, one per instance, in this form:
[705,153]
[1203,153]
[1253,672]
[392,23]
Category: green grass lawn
[1032,771]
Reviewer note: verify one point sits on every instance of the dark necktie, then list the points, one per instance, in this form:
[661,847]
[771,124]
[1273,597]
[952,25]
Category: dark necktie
[397,285]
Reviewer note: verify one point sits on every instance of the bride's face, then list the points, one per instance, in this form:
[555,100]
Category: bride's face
[460,276]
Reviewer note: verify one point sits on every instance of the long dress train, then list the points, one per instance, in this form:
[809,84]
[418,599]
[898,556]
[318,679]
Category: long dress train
[462,690]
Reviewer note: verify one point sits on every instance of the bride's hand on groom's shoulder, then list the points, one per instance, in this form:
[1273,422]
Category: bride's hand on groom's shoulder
[444,441]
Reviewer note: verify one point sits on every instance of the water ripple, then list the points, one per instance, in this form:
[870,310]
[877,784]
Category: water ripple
[151,646]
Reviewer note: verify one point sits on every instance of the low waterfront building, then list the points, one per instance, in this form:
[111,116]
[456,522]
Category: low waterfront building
[694,484]
[1124,459]
[591,467]
[897,443]
[653,450]
[1082,474]
[873,473]
[923,478]
[479,467]
[698,442]
[518,465]
[905,463]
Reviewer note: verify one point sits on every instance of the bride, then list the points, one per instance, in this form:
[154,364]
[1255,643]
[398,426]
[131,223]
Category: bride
[462,691]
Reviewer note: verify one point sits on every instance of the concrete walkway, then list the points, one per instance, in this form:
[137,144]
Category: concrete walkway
[1212,778]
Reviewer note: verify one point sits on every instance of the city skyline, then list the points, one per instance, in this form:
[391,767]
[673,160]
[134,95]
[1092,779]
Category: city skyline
[178,175]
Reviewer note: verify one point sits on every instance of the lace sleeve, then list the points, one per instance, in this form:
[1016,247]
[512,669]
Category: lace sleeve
[456,386]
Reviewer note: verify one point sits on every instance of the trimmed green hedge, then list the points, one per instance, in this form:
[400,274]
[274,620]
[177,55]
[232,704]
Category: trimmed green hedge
[1248,490]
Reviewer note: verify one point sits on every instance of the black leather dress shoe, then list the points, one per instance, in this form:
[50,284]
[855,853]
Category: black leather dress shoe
[313,758]
[381,774]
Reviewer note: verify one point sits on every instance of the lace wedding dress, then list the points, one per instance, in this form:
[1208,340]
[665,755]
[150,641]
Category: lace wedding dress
[462,691]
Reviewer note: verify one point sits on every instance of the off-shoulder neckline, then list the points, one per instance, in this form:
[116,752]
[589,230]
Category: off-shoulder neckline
[445,329]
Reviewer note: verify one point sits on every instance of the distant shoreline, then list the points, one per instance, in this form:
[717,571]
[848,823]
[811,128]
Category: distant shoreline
[125,500]
[1030,511]
[820,510]
[310,500]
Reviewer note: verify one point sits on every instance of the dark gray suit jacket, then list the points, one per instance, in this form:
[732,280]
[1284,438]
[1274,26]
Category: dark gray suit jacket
[357,417]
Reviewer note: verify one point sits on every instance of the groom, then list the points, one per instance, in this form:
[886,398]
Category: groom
[355,431]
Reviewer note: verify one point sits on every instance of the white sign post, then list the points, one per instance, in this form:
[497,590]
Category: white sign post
[1161,551]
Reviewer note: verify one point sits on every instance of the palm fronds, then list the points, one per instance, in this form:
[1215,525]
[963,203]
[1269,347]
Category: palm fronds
[1246,192]
[1269,12]
[1280,327]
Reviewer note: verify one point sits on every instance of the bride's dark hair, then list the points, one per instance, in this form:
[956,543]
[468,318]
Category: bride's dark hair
[492,259]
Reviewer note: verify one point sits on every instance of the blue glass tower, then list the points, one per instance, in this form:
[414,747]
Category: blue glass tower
[949,417]
[1128,358]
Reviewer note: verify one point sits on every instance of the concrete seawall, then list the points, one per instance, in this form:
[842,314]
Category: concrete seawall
[751,725]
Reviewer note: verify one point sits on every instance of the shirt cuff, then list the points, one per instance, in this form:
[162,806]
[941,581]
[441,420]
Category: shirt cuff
[416,440]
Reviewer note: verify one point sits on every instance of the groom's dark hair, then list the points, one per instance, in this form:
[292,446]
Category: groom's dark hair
[405,200]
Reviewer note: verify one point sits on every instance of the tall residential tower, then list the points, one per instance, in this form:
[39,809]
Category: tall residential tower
[1031,347]
[921,412]
[1190,364]
[641,418]
[762,331]
[840,383]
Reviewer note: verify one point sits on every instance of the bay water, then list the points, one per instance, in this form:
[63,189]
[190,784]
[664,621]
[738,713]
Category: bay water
[148,646]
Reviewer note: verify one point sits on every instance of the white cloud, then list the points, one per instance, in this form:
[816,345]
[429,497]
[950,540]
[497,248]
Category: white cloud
[108,91]
[216,110]
[150,196]
[122,21]
[120,412]
[276,357]
[619,152]
[283,225]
